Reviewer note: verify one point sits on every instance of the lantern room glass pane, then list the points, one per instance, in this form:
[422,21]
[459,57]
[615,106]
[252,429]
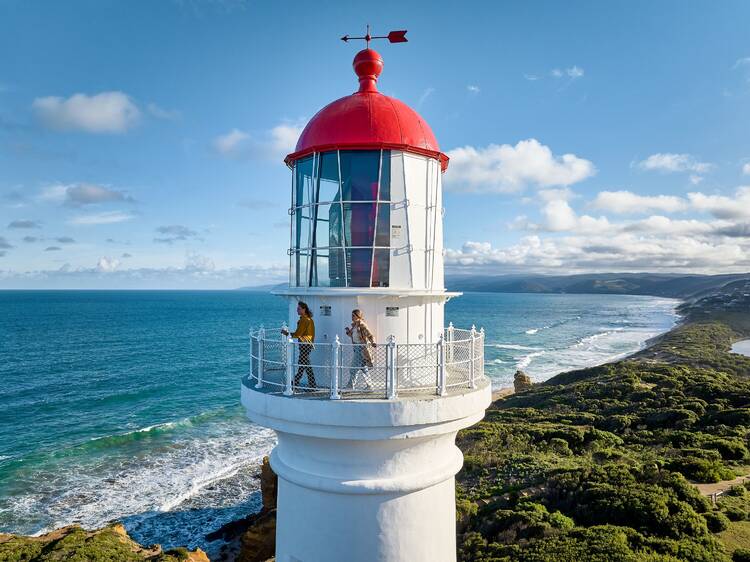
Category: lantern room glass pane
[383,227]
[299,268]
[358,263]
[328,178]
[359,174]
[302,229]
[336,267]
[319,276]
[321,237]
[359,224]
[303,181]
[385,177]
[381,267]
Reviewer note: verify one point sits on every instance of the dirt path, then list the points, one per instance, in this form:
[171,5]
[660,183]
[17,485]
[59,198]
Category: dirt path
[720,487]
[501,393]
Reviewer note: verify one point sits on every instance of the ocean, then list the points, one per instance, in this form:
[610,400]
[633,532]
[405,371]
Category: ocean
[124,405]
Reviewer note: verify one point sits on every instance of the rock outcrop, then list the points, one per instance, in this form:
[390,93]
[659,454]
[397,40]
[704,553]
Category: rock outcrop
[522,381]
[75,543]
[252,539]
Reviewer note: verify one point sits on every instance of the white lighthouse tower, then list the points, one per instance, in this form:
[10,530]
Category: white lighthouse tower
[366,454]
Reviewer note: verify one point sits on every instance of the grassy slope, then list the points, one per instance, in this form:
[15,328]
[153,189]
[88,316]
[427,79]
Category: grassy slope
[595,464]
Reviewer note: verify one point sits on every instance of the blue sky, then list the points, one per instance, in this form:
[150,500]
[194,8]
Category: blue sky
[141,143]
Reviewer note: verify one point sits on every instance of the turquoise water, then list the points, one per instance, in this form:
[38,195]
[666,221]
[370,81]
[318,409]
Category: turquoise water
[125,405]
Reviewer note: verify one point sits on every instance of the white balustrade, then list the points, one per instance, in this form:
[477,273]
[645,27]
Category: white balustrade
[337,370]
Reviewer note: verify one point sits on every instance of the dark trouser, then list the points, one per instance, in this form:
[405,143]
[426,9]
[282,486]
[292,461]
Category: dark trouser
[305,349]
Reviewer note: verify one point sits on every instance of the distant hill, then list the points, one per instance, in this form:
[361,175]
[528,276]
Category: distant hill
[654,284]
[263,288]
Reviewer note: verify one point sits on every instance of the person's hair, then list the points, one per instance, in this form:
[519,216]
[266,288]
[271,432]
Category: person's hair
[305,308]
[358,313]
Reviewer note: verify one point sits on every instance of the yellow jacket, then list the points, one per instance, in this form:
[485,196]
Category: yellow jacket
[305,331]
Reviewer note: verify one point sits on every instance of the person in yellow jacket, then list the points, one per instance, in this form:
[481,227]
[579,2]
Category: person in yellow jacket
[305,335]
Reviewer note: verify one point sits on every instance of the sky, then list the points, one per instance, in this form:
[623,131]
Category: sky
[142,143]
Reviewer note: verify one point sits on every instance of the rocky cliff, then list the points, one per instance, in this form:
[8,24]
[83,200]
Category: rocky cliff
[74,543]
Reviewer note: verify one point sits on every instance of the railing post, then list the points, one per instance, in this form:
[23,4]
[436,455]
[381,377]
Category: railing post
[442,389]
[336,369]
[250,337]
[472,363]
[390,368]
[450,341]
[289,353]
[284,328]
[261,354]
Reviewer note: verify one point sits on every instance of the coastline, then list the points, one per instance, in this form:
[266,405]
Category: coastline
[506,391]
[650,344]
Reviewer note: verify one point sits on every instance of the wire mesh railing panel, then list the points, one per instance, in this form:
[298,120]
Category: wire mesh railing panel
[458,368]
[311,366]
[272,357]
[362,368]
[345,370]
[416,366]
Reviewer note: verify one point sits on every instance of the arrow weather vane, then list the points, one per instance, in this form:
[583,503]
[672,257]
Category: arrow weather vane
[393,37]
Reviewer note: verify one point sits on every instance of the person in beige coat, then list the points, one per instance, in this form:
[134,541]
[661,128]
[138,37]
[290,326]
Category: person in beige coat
[363,341]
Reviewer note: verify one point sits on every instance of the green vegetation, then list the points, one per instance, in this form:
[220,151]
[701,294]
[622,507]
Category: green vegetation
[599,464]
[74,544]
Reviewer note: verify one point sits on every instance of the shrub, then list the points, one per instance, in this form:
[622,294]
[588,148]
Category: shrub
[701,470]
[737,492]
[716,521]
[729,449]
[741,555]
[734,513]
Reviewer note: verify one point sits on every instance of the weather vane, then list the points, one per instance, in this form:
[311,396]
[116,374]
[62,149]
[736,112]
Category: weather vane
[393,37]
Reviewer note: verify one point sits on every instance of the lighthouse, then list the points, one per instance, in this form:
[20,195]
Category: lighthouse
[366,455]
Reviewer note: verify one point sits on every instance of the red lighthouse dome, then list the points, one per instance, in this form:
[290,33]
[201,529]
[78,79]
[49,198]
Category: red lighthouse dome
[368,120]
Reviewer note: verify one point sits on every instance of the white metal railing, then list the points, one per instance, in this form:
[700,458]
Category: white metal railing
[341,370]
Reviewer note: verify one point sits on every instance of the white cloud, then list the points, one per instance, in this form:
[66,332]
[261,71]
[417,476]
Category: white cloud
[198,272]
[532,77]
[669,162]
[161,113]
[473,89]
[272,144]
[81,194]
[626,202]
[722,207]
[623,252]
[574,71]
[228,144]
[746,169]
[559,216]
[556,73]
[198,263]
[564,240]
[741,62]
[109,217]
[505,168]
[107,112]
[107,265]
